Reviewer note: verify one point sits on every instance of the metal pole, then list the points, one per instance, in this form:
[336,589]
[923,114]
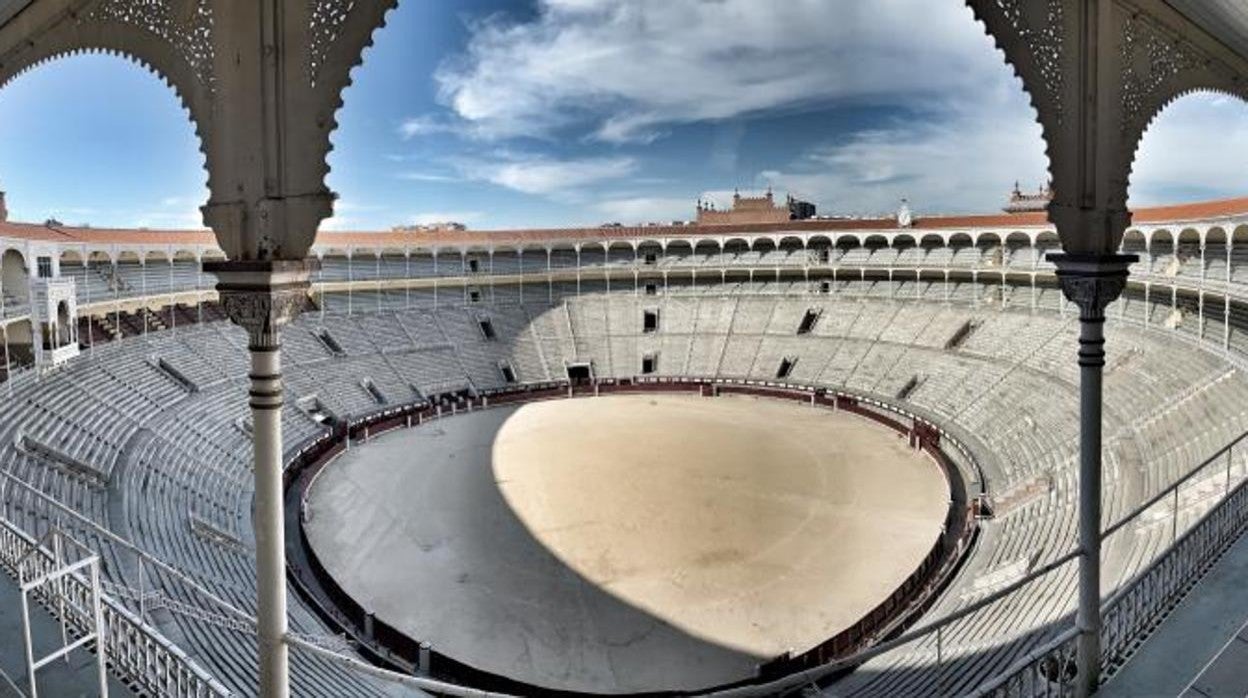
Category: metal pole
[142,605]
[1088,618]
[266,414]
[1174,518]
[1091,282]
[58,588]
[30,649]
[101,662]
[8,364]
[1228,471]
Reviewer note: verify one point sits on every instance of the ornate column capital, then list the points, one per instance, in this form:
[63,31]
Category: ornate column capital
[1092,281]
[262,297]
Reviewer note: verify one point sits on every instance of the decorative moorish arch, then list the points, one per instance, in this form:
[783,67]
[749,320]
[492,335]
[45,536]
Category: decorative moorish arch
[1214,236]
[762,245]
[987,240]
[790,243]
[1134,241]
[875,242]
[1018,239]
[960,240]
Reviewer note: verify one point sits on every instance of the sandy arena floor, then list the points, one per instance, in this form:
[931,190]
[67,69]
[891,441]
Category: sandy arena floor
[627,543]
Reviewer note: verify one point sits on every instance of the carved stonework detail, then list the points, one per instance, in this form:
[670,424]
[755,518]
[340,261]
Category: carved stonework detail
[263,313]
[1041,26]
[1092,282]
[328,18]
[186,25]
[1093,293]
[1151,58]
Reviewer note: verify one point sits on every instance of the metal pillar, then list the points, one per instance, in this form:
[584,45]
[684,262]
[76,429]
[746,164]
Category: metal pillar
[262,297]
[1091,282]
[266,414]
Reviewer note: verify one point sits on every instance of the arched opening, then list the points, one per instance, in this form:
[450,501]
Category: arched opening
[819,249]
[1216,248]
[64,324]
[735,250]
[762,251]
[1181,158]
[908,252]
[1047,242]
[1133,242]
[1019,251]
[851,251]
[1239,254]
[134,163]
[962,250]
[1161,247]
[649,253]
[14,278]
[1188,253]
[618,253]
[706,252]
[991,253]
[679,252]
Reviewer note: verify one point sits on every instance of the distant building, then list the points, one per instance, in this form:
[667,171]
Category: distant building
[1029,203]
[755,209]
[801,210]
[430,227]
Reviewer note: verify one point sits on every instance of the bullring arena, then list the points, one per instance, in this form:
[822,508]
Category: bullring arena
[628,543]
[781,398]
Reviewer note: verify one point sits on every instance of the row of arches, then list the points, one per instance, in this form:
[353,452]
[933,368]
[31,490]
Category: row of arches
[17,265]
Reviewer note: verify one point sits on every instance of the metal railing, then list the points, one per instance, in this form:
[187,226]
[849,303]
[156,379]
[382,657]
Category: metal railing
[1132,612]
[135,651]
[1128,614]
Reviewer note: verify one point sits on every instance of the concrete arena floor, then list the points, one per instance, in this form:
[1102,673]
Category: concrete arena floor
[627,543]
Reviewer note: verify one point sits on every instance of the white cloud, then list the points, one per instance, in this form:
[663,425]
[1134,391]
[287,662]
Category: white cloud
[629,70]
[423,125]
[962,160]
[427,177]
[338,223]
[351,215]
[432,217]
[186,219]
[175,213]
[544,176]
[646,209]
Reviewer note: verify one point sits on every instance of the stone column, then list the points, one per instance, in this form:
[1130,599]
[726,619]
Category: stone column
[262,297]
[1091,282]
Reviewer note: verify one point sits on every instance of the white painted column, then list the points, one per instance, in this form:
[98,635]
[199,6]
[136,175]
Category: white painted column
[262,297]
[266,415]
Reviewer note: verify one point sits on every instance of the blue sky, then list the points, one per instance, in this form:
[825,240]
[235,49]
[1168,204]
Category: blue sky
[502,113]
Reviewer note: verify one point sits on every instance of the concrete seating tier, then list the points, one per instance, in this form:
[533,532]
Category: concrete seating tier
[176,461]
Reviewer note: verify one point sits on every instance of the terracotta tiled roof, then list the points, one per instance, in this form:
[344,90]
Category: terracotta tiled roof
[1203,210]
[1207,210]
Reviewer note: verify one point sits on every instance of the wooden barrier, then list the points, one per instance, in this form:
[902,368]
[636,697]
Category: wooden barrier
[387,646]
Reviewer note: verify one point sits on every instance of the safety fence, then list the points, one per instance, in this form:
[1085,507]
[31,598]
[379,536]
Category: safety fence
[135,652]
[1134,610]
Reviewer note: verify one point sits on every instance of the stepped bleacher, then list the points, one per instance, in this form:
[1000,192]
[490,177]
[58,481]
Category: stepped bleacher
[151,422]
